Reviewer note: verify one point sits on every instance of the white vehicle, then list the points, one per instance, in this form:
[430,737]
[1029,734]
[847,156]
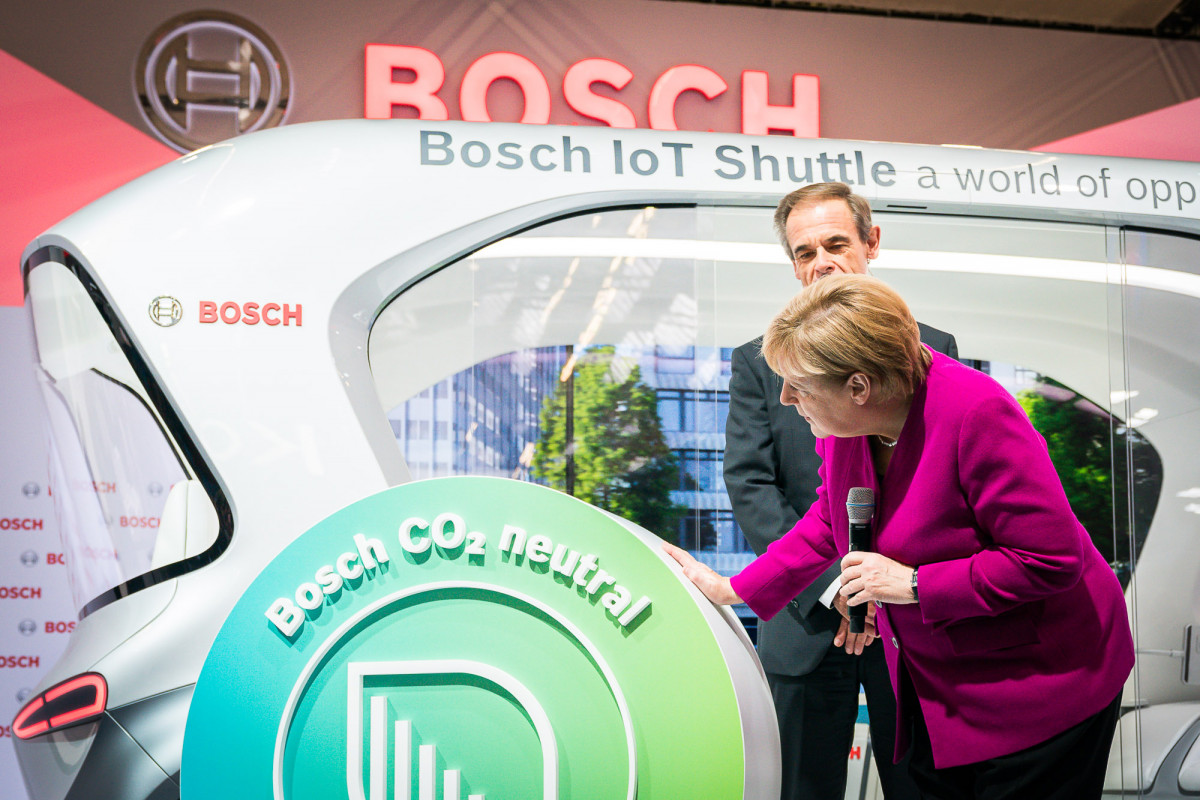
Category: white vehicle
[266,330]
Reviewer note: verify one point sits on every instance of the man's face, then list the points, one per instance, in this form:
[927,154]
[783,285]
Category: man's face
[824,241]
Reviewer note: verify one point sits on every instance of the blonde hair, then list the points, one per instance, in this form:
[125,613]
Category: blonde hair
[844,324]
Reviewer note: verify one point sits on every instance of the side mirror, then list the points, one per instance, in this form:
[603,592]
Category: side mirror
[188,525]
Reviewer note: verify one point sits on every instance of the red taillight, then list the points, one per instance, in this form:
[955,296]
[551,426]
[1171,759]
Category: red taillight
[71,702]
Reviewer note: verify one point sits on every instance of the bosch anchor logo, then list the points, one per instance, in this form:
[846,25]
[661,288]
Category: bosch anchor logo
[29,558]
[31,489]
[165,311]
[207,76]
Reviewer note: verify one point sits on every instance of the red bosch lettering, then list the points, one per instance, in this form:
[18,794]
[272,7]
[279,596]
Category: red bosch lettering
[98,555]
[20,592]
[231,313]
[418,94]
[56,558]
[139,522]
[60,627]
[577,89]
[20,662]
[99,487]
[760,117]
[855,753]
[19,524]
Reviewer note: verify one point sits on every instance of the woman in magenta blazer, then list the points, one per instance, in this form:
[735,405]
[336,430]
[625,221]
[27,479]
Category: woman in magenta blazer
[1005,630]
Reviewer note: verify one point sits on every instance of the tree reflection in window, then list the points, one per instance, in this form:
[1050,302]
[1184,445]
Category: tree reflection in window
[1111,474]
[601,440]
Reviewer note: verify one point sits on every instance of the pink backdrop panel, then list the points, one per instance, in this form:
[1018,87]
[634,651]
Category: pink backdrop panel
[61,152]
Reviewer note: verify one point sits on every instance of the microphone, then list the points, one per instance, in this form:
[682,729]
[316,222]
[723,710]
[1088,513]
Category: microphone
[860,507]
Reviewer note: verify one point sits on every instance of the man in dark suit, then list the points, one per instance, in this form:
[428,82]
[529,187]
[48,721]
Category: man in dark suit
[813,664]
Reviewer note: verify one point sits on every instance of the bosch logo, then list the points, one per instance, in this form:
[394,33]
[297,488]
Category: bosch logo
[31,489]
[204,77]
[27,627]
[20,662]
[154,488]
[18,524]
[251,313]
[23,694]
[64,626]
[99,487]
[139,522]
[95,554]
[29,558]
[56,558]
[20,592]
[165,311]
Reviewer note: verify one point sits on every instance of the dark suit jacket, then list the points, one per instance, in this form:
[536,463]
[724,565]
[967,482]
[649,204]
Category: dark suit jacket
[771,476]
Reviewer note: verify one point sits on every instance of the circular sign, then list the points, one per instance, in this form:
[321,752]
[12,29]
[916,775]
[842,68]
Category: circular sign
[204,77]
[165,311]
[478,638]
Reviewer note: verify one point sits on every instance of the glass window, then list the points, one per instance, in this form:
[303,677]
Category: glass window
[675,358]
[112,463]
[675,410]
[675,351]
[1158,395]
[700,470]
[592,354]
[1085,441]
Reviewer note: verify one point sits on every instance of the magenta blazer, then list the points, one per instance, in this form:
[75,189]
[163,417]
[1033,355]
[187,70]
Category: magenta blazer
[1021,630]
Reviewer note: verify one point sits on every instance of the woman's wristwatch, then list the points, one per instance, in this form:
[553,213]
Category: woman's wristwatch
[913,584]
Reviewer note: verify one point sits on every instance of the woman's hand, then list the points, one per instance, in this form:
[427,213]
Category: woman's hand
[714,586]
[870,576]
[854,643]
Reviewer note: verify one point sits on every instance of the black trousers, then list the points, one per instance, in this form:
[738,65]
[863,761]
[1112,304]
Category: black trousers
[816,714]
[1067,766]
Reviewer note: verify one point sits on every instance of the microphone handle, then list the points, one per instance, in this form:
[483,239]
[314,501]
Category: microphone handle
[860,539]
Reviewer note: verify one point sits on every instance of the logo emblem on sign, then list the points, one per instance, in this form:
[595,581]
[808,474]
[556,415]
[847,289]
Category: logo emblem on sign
[398,743]
[166,311]
[205,77]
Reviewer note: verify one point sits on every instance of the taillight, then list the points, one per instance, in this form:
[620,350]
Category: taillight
[75,700]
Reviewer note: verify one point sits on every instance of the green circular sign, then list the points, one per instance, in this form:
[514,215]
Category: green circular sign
[478,638]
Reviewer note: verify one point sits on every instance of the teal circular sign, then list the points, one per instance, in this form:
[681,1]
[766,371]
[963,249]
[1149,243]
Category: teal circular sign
[468,638]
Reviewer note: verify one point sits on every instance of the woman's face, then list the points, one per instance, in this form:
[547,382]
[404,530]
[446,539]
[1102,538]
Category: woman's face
[828,405]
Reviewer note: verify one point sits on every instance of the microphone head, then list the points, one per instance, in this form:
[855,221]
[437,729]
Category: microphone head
[860,504]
